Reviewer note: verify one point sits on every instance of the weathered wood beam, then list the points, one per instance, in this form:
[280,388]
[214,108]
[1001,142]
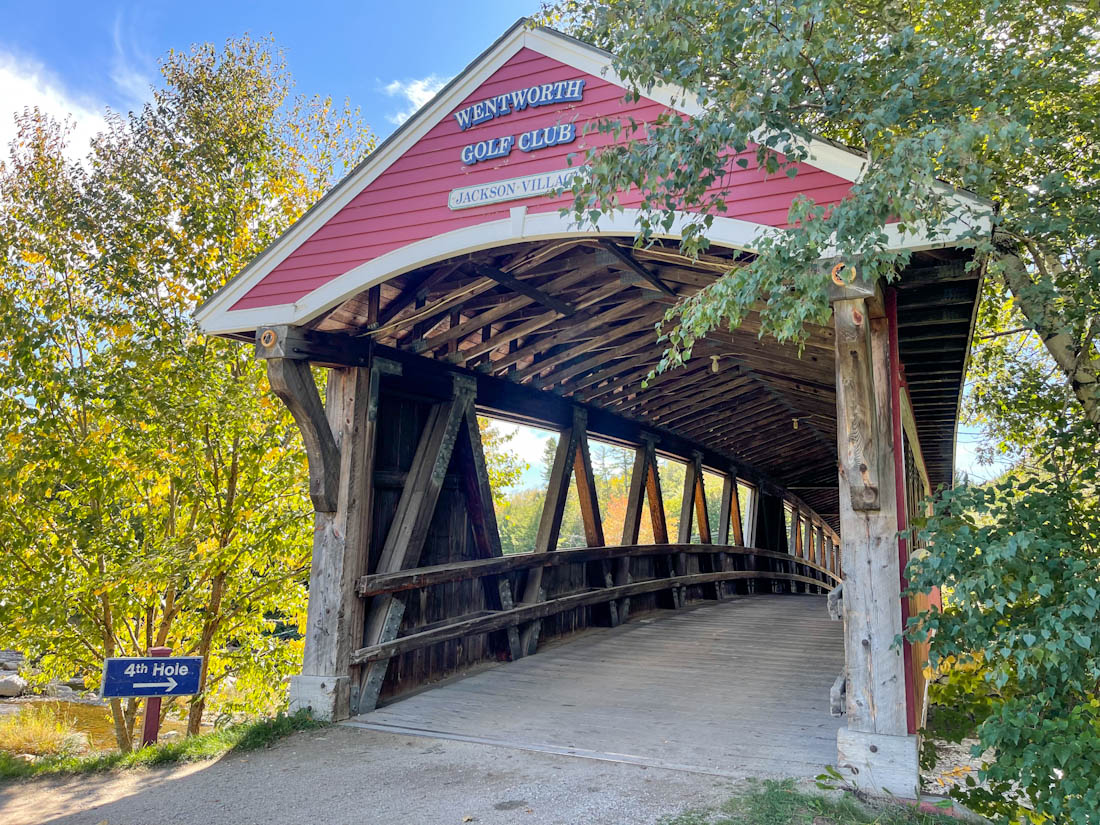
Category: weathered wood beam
[421,577]
[483,521]
[546,538]
[673,597]
[598,573]
[632,523]
[417,289]
[687,508]
[535,612]
[292,381]
[411,521]
[632,342]
[490,316]
[334,619]
[875,692]
[523,288]
[922,276]
[632,395]
[858,436]
[584,323]
[542,365]
[635,267]
[525,328]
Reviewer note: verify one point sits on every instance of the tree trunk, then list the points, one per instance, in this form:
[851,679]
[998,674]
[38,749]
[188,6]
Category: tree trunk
[122,733]
[213,618]
[1074,358]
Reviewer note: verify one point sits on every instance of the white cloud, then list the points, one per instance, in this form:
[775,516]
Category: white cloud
[415,93]
[26,83]
[130,68]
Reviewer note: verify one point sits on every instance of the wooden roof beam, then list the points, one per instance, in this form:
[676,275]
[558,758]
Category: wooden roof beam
[635,267]
[523,288]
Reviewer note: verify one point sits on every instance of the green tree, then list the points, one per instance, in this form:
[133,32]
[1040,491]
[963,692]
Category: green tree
[1002,101]
[151,490]
[503,465]
[999,100]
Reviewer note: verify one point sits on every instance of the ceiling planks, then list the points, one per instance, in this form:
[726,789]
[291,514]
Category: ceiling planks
[580,318]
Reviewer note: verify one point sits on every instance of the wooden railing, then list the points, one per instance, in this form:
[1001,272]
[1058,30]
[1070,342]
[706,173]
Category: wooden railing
[760,565]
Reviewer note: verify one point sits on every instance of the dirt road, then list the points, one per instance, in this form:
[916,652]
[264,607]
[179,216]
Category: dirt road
[344,775]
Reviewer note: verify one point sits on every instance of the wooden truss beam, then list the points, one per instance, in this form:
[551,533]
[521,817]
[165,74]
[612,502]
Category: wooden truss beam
[410,524]
[523,288]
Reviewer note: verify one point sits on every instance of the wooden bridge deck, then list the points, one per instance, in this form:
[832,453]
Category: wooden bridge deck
[738,688]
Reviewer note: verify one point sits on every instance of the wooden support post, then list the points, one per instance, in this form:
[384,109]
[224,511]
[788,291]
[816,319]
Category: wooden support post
[632,524]
[821,554]
[708,564]
[598,573]
[687,511]
[546,539]
[752,537]
[798,547]
[875,751]
[339,439]
[725,514]
[483,522]
[410,525]
[737,536]
[672,597]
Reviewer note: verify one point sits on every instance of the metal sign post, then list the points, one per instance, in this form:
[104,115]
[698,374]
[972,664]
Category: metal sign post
[155,676]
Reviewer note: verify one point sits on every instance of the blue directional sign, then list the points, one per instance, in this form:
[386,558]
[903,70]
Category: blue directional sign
[151,676]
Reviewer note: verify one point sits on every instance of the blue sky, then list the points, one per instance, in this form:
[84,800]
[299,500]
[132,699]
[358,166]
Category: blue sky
[79,58]
[387,58]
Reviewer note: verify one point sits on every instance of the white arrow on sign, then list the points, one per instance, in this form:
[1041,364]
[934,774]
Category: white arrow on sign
[169,686]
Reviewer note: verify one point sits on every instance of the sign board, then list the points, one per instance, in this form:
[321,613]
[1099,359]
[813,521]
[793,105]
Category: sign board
[160,676]
[543,183]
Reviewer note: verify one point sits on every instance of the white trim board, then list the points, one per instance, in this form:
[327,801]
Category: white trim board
[517,227]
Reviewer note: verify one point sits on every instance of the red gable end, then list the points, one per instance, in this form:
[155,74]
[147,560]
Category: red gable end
[408,201]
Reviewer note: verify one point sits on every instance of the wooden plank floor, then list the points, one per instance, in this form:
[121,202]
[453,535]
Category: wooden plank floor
[735,689]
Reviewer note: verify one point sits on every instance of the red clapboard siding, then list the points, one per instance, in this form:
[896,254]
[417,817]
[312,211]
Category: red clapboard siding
[408,201]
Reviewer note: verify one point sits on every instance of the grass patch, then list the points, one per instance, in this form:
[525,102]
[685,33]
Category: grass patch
[243,737]
[781,803]
[37,729]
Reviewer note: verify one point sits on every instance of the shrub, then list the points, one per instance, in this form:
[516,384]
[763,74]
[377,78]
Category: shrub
[39,730]
[1019,560]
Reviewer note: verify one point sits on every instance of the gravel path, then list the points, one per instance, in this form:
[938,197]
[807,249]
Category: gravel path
[347,775]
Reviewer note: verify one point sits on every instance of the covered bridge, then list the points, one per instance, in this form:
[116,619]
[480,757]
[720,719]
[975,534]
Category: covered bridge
[440,280]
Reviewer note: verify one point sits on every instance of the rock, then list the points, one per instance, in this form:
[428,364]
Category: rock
[12,685]
[59,691]
[10,660]
[76,684]
[169,735]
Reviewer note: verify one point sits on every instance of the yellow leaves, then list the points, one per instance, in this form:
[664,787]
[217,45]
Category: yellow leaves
[123,330]
[14,439]
[32,257]
[205,548]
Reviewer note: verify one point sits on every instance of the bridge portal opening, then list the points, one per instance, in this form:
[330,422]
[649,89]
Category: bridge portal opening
[431,291]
